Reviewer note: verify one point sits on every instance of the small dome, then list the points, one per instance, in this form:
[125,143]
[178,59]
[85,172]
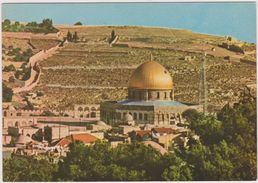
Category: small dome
[128,117]
[22,139]
[101,123]
[151,75]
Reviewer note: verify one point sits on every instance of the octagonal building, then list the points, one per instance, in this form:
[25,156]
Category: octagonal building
[150,99]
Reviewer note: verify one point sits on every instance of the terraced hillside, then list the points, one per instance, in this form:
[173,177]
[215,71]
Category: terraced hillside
[90,71]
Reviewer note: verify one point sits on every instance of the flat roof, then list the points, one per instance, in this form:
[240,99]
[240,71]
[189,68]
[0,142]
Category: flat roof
[151,103]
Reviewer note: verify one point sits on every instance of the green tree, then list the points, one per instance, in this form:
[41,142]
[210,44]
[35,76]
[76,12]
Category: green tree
[17,24]
[208,128]
[228,149]
[32,24]
[38,136]
[112,36]
[102,162]
[27,169]
[17,74]
[210,163]
[48,134]
[47,23]
[9,68]
[78,23]
[175,169]
[75,37]
[7,93]
[239,124]
[6,22]
[69,36]
[191,115]
[11,79]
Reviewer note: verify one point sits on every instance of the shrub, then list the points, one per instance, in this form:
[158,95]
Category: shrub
[9,68]
[11,79]
[7,93]
[26,75]
[78,23]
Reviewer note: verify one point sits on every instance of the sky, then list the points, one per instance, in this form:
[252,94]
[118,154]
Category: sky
[236,19]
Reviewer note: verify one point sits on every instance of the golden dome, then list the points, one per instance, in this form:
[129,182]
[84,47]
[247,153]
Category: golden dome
[151,75]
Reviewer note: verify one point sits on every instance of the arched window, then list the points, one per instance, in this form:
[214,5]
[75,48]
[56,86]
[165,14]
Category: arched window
[158,96]
[163,117]
[149,95]
[118,115]
[140,116]
[16,124]
[145,117]
[24,123]
[80,109]
[30,123]
[93,109]
[86,109]
[165,95]
[93,114]
[135,116]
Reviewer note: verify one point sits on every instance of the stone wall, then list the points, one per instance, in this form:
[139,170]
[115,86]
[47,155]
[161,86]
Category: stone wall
[19,122]
[161,116]
[90,111]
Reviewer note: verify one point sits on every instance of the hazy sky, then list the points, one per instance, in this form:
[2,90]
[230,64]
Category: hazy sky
[236,19]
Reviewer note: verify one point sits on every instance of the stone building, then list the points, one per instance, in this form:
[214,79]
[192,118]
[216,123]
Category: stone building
[90,111]
[150,99]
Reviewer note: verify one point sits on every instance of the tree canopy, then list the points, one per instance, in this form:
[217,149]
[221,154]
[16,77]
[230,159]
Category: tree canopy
[226,151]
[46,26]
[134,161]
[78,23]
[27,169]
[7,93]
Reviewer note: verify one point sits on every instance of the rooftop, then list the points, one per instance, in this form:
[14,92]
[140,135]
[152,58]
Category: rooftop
[156,146]
[141,133]
[151,103]
[83,137]
[164,130]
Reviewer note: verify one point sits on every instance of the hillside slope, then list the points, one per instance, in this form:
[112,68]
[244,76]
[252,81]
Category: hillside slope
[90,71]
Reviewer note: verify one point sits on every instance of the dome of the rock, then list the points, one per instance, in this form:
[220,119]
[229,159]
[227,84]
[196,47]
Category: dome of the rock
[151,75]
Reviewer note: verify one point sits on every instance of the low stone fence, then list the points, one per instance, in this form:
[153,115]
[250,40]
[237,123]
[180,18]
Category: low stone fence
[63,119]
[248,62]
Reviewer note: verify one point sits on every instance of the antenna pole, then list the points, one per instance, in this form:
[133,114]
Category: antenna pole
[203,85]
